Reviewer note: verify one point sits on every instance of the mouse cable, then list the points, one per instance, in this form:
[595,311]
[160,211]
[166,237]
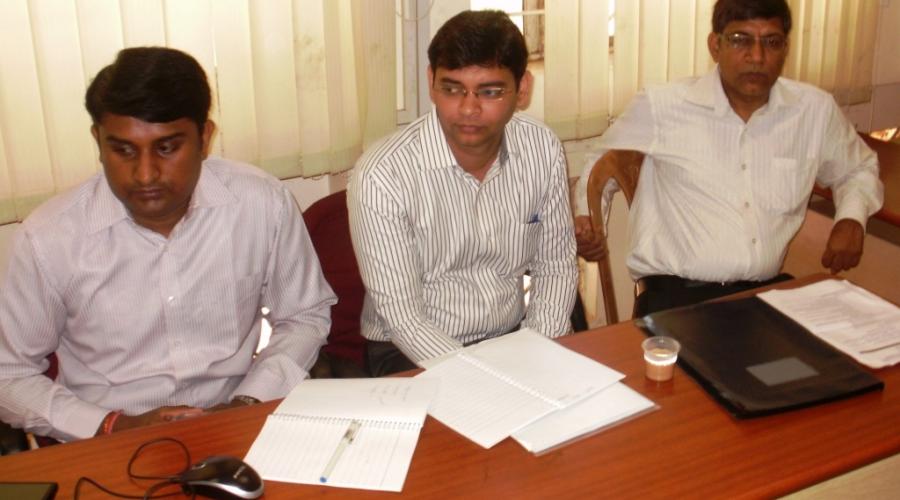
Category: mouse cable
[149,493]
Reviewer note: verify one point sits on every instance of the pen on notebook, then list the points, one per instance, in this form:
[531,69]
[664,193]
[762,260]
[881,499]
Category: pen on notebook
[345,441]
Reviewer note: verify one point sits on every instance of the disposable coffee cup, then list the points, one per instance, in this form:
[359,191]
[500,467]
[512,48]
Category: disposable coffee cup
[660,354]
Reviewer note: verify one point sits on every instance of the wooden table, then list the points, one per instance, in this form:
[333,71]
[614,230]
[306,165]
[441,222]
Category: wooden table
[689,448]
[889,173]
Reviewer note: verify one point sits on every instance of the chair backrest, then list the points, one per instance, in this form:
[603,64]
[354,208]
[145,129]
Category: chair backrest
[329,229]
[616,168]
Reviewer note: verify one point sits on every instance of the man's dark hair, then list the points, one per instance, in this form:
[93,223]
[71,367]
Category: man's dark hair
[486,38]
[152,84]
[727,11]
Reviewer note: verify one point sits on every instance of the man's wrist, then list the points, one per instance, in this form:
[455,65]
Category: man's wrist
[246,400]
[109,422]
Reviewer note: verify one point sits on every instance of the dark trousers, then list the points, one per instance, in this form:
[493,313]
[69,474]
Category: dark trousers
[383,358]
[667,292]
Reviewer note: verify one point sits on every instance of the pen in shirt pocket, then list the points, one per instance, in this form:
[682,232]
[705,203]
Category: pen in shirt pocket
[534,219]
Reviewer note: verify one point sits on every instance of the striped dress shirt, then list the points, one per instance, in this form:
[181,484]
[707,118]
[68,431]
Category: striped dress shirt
[140,321]
[719,199]
[443,255]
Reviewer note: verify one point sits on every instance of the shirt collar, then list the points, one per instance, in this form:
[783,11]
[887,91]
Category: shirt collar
[438,154]
[707,91]
[106,210]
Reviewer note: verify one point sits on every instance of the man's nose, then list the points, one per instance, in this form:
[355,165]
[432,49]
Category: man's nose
[757,53]
[146,171]
[470,104]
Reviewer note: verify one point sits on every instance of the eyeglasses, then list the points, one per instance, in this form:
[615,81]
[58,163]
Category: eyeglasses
[482,94]
[745,42]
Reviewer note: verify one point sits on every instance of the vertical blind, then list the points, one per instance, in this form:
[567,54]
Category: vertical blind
[300,87]
[590,77]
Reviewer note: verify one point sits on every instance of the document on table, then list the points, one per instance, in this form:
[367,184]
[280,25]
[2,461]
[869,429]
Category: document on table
[851,319]
[492,389]
[611,406]
[352,433]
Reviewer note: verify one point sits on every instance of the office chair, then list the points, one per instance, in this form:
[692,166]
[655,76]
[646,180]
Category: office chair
[617,169]
[329,229]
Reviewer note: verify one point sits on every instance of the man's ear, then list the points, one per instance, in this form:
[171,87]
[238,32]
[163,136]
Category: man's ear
[95,131]
[713,41]
[431,90]
[523,96]
[209,129]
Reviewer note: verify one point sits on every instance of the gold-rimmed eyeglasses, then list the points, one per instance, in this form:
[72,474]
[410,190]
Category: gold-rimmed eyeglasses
[743,41]
[482,93]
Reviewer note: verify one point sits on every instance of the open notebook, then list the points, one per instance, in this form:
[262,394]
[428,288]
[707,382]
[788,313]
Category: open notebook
[306,439]
[492,389]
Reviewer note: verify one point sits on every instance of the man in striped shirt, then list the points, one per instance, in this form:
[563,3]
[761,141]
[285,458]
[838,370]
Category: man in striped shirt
[449,214]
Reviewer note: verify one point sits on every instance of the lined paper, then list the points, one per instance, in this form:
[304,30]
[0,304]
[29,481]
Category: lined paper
[298,440]
[490,390]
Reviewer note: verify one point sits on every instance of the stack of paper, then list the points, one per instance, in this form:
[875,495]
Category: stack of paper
[851,319]
[491,390]
[354,433]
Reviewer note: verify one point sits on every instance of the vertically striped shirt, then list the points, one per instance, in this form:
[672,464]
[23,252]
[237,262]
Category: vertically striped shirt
[140,321]
[720,199]
[443,255]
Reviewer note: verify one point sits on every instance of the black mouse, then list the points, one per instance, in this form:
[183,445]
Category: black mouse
[221,477]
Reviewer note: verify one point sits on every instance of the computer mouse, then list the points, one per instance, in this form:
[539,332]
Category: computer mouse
[221,477]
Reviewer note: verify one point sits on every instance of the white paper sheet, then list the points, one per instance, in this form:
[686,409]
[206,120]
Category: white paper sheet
[490,390]
[851,319]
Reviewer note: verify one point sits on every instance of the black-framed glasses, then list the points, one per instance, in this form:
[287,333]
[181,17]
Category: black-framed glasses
[481,93]
[744,42]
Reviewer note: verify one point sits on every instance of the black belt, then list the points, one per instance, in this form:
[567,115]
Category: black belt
[665,282]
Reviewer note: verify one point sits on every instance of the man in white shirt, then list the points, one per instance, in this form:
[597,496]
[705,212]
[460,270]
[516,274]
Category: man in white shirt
[448,214]
[731,158]
[148,280]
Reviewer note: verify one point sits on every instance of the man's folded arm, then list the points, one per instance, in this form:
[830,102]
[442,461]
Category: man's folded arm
[391,269]
[299,300]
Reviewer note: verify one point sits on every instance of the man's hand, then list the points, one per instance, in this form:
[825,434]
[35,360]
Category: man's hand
[157,416]
[845,246]
[591,246]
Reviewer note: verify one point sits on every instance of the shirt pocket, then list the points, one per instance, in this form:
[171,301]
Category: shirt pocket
[787,185]
[521,245]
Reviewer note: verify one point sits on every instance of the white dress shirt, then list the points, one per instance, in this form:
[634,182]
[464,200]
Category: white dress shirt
[719,199]
[443,255]
[139,321]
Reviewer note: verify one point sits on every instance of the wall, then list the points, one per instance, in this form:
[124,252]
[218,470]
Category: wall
[883,111]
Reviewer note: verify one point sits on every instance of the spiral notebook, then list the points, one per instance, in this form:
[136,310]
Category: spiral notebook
[351,433]
[492,389]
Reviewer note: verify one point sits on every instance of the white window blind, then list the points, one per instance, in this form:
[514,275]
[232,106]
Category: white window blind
[589,78]
[300,87]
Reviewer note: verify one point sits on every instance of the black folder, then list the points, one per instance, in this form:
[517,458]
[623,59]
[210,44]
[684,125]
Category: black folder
[756,361]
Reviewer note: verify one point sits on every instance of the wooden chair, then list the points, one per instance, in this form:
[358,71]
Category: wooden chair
[615,169]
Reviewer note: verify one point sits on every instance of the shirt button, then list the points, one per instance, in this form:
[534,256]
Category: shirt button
[743,166]
[170,298]
[754,241]
[746,204]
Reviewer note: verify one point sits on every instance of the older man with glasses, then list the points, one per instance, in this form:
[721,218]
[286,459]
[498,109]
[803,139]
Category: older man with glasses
[730,162]
[448,214]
